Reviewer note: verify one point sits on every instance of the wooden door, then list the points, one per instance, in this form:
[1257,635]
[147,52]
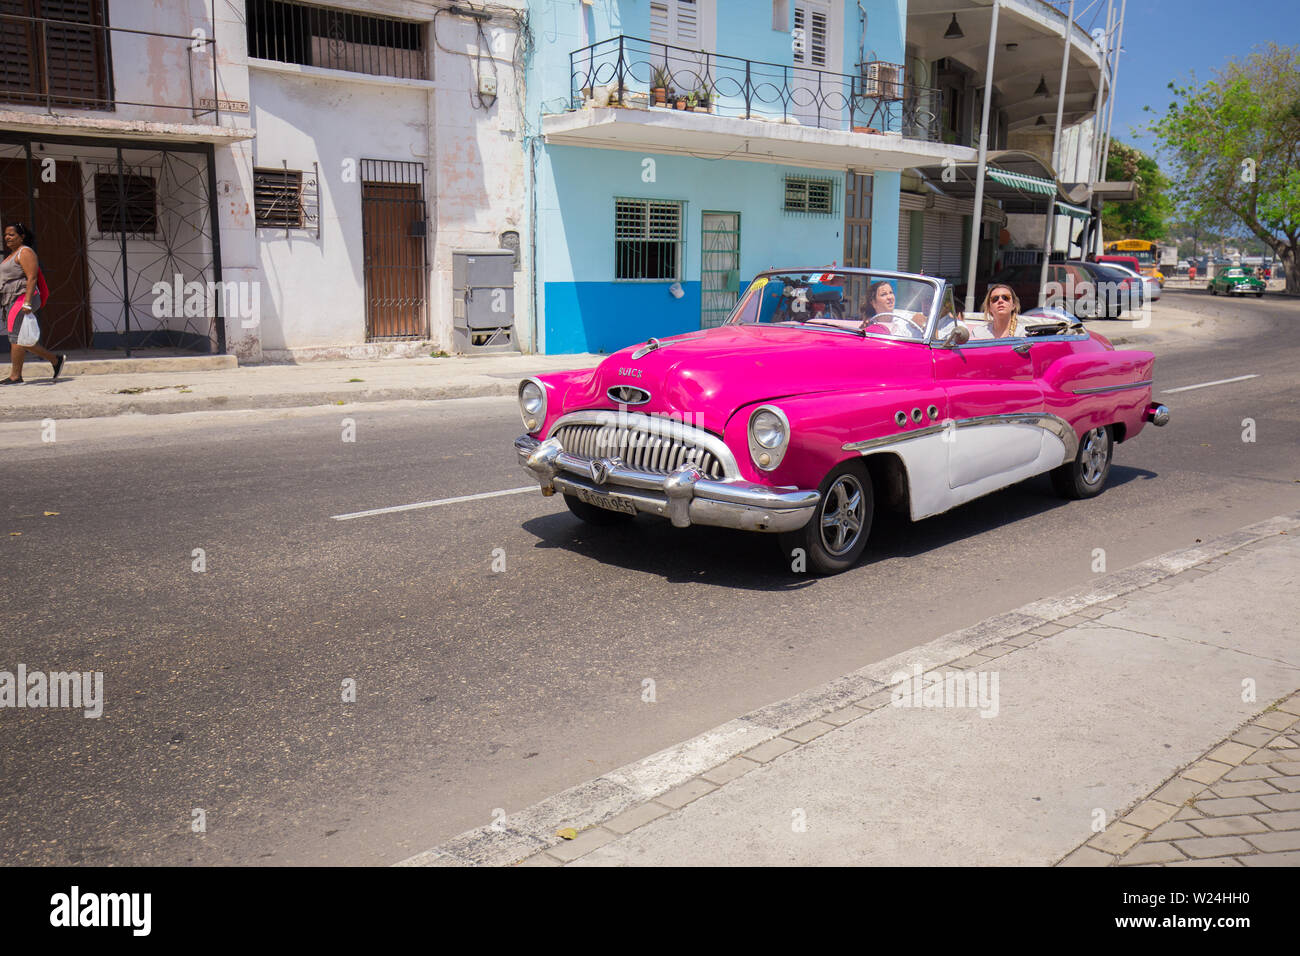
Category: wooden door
[393,228]
[60,228]
[857,235]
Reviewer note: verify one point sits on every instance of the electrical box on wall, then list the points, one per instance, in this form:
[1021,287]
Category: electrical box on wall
[487,84]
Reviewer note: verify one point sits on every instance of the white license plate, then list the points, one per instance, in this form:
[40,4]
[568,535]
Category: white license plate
[608,502]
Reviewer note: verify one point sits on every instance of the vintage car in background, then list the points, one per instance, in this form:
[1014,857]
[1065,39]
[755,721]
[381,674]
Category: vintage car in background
[808,410]
[1237,281]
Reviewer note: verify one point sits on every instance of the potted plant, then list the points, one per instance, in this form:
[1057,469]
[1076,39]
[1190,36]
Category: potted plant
[691,99]
[659,86]
[681,101]
[701,101]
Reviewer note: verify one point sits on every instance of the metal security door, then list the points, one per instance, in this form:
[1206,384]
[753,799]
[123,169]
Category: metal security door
[719,266]
[393,228]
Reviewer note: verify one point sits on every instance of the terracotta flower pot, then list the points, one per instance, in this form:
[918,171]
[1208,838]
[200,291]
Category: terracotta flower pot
[660,94]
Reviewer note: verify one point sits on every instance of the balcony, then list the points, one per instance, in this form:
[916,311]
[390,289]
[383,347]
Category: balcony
[56,69]
[630,93]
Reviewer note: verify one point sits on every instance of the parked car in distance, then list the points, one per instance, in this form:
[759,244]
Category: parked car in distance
[810,409]
[1236,280]
[1115,259]
[1088,290]
[1151,287]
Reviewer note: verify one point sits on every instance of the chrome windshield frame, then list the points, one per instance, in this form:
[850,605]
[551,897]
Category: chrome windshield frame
[937,284]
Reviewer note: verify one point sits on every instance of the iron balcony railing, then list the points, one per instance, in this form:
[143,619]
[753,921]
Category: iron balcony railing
[627,71]
[65,63]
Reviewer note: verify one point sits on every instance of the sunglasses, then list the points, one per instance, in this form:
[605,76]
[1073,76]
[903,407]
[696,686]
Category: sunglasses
[999,298]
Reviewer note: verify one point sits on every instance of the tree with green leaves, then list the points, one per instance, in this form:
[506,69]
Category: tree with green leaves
[1145,216]
[1235,145]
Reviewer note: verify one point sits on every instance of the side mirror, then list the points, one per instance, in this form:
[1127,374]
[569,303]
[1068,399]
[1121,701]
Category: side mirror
[959,335]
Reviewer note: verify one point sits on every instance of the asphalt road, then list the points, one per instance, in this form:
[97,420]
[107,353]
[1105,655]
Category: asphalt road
[479,689]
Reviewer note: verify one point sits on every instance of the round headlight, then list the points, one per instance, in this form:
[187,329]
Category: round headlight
[531,398]
[768,429]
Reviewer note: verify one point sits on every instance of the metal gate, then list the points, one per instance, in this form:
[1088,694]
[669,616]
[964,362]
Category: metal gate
[126,233]
[719,266]
[394,226]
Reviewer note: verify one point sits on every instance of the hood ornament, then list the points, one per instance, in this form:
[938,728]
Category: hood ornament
[646,349]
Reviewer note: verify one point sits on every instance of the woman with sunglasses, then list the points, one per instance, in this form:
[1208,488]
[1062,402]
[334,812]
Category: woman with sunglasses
[1001,310]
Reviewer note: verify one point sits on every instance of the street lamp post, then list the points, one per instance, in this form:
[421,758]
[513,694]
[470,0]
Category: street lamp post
[977,214]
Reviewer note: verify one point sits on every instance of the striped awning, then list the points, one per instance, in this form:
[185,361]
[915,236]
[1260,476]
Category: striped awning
[1033,184]
[1076,212]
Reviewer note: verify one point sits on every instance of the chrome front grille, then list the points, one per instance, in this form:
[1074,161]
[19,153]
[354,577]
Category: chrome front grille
[639,449]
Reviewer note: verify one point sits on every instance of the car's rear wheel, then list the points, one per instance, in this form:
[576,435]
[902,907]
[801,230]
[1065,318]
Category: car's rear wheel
[1210,289]
[595,515]
[1086,475]
[835,537]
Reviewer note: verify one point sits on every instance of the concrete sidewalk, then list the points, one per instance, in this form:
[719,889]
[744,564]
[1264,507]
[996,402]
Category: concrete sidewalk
[1096,732]
[92,386]
[205,383]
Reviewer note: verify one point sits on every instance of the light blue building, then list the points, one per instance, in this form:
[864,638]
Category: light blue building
[798,122]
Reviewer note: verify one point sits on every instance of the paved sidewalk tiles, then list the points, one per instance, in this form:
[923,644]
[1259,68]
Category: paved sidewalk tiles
[1245,814]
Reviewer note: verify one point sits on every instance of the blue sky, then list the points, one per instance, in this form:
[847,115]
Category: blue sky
[1167,39]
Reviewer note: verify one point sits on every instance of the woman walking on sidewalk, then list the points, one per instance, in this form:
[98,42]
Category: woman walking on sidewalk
[18,279]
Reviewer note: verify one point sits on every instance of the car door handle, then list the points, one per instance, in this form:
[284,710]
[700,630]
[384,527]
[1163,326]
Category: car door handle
[1022,348]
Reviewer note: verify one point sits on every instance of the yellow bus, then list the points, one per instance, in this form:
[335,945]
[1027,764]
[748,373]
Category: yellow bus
[1145,251]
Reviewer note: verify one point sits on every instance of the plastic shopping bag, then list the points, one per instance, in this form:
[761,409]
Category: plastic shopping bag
[30,333]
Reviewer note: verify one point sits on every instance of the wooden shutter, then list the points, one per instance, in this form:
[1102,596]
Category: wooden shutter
[72,58]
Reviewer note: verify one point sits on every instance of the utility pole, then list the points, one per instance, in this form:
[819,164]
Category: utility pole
[977,214]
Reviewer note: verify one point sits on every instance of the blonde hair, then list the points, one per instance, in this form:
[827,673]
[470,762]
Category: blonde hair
[1015,305]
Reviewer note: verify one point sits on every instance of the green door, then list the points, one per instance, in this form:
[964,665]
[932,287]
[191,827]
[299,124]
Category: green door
[719,266]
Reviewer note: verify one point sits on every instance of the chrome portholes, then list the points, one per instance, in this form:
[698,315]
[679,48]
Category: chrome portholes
[901,419]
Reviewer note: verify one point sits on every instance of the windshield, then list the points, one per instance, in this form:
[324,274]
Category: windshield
[884,304]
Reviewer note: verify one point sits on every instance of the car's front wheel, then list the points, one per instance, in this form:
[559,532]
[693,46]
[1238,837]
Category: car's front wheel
[1086,475]
[1210,289]
[593,514]
[836,535]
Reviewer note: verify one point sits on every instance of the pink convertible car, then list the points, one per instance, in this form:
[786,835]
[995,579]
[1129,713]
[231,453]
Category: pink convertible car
[809,408]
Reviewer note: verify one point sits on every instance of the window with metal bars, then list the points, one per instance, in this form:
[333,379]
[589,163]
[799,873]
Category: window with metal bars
[647,239]
[55,51]
[126,203]
[804,194]
[335,39]
[277,198]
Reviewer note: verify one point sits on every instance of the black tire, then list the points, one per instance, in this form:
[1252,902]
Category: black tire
[1085,477]
[594,515]
[1210,289]
[847,499]
[1259,295]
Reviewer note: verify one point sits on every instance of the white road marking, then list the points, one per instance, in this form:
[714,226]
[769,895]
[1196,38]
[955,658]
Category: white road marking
[433,504]
[1222,381]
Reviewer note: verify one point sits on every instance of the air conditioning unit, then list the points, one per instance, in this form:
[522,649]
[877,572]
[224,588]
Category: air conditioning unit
[882,81]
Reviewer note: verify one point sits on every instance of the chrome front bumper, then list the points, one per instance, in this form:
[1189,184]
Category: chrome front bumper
[685,496]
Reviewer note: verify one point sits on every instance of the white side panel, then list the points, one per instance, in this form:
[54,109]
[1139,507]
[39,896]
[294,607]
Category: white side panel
[987,450]
[926,461]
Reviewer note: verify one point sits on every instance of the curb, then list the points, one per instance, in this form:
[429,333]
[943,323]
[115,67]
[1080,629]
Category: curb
[618,802]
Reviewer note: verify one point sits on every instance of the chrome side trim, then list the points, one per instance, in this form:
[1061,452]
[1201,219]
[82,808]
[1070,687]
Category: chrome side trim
[1045,420]
[654,425]
[1111,388]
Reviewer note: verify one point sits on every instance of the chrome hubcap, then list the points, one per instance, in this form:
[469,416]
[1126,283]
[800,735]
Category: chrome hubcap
[1096,446]
[842,515]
